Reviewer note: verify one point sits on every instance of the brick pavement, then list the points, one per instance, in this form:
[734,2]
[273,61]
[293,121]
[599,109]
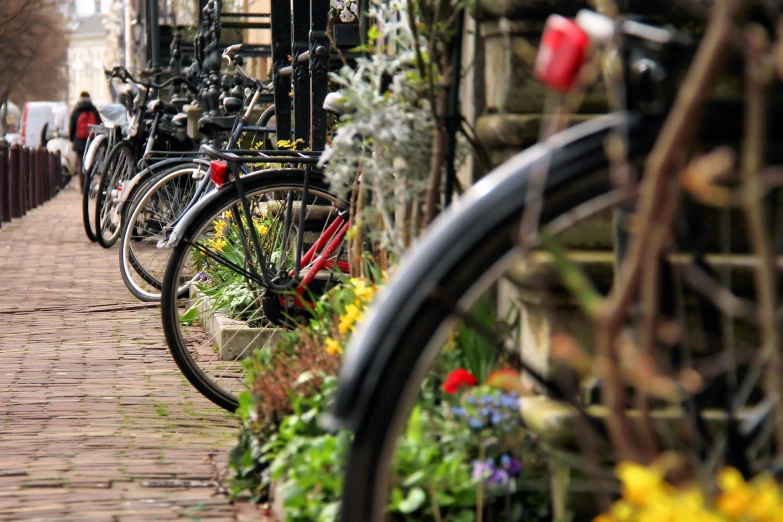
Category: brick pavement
[96,421]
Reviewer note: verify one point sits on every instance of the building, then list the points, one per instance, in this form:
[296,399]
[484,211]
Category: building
[89,51]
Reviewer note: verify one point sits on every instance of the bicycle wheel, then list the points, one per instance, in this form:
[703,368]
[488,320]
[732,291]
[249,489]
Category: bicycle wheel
[90,190]
[221,318]
[143,255]
[459,262]
[118,167]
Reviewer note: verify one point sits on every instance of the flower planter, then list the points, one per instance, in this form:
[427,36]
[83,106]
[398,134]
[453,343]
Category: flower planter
[230,336]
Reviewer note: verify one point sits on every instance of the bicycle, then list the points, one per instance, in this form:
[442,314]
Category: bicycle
[276,235]
[101,139]
[152,214]
[119,171]
[480,248]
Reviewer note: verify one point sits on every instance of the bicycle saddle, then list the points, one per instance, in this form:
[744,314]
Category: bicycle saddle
[333,103]
[168,108]
[180,120]
[213,124]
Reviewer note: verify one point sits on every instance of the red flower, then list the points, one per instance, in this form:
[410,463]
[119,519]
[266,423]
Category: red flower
[457,379]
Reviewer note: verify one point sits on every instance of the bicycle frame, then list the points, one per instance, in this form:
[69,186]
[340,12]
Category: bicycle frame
[330,239]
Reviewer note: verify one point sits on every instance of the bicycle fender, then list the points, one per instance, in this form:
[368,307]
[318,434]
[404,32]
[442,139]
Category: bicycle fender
[131,184]
[374,347]
[187,218]
[92,151]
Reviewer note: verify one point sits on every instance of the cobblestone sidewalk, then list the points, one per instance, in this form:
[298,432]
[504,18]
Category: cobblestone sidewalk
[96,421]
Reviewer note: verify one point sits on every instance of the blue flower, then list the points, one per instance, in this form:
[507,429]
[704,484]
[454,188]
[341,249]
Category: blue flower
[475,423]
[470,399]
[507,401]
[486,400]
[505,460]
[486,412]
[459,411]
[497,418]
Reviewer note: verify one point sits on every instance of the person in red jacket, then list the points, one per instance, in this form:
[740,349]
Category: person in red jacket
[84,114]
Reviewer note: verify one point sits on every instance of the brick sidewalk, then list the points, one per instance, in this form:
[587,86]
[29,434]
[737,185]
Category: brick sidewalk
[96,421]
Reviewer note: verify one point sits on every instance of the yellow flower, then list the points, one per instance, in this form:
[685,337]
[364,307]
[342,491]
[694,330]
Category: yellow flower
[352,316]
[332,347]
[362,292]
[735,497]
[220,228]
[604,517]
[767,505]
[622,511]
[261,228]
[228,214]
[219,243]
[640,484]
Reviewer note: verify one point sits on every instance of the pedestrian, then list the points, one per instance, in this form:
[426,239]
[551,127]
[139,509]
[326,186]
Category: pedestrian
[84,114]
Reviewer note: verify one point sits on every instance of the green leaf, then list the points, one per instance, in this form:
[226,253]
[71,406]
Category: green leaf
[413,501]
[373,33]
[245,405]
[188,317]
[414,426]
[414,479]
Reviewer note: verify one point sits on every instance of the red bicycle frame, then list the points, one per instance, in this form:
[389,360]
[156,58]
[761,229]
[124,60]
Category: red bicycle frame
[330,239]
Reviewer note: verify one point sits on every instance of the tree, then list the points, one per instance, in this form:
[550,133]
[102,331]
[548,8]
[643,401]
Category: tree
[33,49]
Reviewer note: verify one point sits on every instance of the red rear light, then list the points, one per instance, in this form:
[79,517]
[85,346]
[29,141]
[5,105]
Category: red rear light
[217,172]
[560,55]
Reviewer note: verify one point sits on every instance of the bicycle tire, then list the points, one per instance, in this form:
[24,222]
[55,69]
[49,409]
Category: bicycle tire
[128,260]
[271,181]
[111,176]
[88,214]
[407,324]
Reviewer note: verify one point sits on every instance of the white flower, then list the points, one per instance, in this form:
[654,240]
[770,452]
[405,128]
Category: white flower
[337,4]
[347,16]
[355,8]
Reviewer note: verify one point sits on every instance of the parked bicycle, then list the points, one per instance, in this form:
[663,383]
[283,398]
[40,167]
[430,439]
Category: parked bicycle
[275,234]
[483,250]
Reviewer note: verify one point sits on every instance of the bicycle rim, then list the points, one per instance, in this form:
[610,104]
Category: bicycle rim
[210,331]
[143,255]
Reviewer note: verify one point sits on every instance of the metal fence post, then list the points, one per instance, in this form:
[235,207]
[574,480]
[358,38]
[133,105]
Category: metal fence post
[301,71]
[5,201]
[35,177]
[24,178]
[46,178]
[319,72]
[281,50]
[41,192]
[14,193]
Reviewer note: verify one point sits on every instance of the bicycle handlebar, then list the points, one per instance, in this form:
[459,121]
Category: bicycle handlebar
[123,74]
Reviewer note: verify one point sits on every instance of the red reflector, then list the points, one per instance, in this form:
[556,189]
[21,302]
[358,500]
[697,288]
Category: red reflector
[217,172]
[560,55]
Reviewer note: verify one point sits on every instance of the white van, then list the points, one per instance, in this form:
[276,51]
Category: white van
[34,116]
